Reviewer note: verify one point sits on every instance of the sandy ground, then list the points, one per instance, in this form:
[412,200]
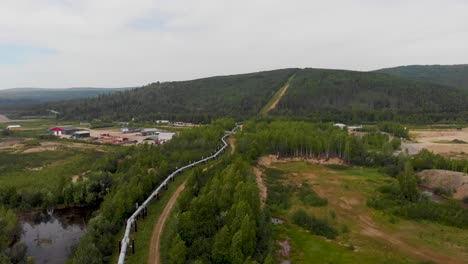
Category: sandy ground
[16,145]
[232,143]
[438,141]
[51,146]
[10,143]
[283,91]
[154,256]
[4,119]
[263,190]
[450,180]
[269,159]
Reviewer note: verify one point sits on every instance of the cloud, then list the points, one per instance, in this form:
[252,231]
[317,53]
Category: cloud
[134,42]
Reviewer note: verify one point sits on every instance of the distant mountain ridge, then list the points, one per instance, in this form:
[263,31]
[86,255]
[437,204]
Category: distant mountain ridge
[451,75]
[22,96]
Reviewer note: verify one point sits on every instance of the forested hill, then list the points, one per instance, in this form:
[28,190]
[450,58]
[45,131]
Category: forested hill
[452,75]
[238,96]
[327,95]
[368,96]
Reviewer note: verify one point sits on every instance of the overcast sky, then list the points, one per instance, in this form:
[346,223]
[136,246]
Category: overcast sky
[116,43]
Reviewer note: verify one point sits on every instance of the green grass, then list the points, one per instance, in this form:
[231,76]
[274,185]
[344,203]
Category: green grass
[43,170]
[307,248]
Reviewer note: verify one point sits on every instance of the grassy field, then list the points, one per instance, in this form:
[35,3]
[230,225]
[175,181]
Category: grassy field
[30,163]
[35,171]
[365,235]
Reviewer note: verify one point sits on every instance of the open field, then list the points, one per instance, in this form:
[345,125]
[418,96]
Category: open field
[43,167]
[365,235]
[448,142]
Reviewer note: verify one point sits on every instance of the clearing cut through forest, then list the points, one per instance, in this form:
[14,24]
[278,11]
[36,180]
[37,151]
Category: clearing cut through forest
[276,98]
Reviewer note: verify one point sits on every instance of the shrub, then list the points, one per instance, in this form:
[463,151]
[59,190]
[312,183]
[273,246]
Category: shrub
[314,225]
[310,197]
[442,191]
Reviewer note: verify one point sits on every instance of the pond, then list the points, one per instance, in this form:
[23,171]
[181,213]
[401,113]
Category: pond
[50,235]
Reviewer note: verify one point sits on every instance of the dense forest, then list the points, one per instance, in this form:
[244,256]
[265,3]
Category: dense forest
[313,94]
[451,75]
[332,95]
[221,222]
[201,100]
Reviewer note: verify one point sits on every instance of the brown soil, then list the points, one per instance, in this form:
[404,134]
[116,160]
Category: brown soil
[268,160]
[4,119]
[263,190]
[232,143]
[440,141]
[457,182]
[154,255]
[283,91]
[10,143]
[51,146]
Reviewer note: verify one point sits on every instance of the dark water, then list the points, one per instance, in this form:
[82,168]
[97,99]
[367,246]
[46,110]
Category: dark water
[51,234]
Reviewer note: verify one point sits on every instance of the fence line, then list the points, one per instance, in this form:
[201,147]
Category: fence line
[131,220]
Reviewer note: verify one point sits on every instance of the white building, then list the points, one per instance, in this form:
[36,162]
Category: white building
[13,127]
[165,136]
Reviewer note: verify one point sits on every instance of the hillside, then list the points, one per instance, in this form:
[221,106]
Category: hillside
[368,96]
[25,96]
[452,75]
[199,100]
[317,94]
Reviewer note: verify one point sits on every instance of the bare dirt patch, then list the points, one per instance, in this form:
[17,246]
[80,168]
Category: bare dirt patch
[269,159]
[276,101]
[457,182]
[232,143]
[4,119]
[263,190]
[441,141]
[52,146]
[154,254]
[10,143]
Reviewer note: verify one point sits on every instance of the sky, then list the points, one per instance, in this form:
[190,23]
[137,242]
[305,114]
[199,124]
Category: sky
[126,43]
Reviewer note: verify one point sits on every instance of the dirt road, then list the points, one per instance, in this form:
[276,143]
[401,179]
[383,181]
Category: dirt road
[154,256]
